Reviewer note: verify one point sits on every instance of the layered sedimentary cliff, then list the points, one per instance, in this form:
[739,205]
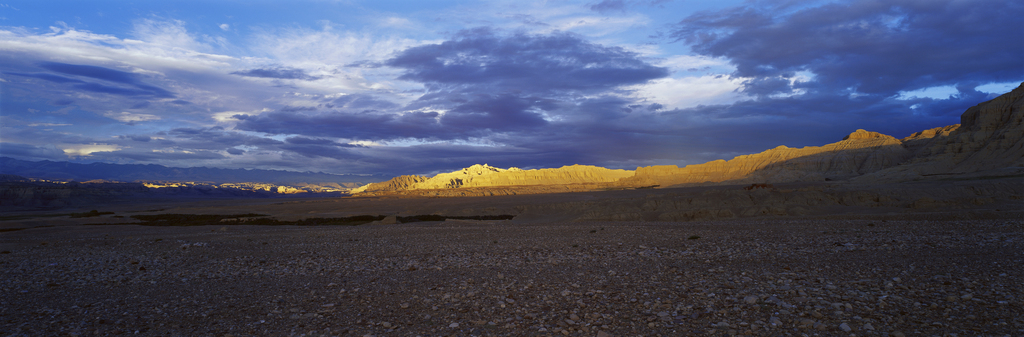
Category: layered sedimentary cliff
[988,141]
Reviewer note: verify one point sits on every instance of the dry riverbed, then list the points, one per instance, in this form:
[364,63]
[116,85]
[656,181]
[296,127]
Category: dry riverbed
[767,276]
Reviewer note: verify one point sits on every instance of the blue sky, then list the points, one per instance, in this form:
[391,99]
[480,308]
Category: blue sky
[419,87]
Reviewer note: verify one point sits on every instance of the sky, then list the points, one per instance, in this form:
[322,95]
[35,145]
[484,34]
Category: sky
[421,87]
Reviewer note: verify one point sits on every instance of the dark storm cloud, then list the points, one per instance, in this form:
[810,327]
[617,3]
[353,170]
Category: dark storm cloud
[522,62]
[499,113]
[136,86]
[765,86]
[215,138]
[348,125]
[478,115]
[278,73]
[874,47]
[541,100]
[318,147]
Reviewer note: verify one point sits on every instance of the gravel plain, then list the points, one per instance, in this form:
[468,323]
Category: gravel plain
[764,276]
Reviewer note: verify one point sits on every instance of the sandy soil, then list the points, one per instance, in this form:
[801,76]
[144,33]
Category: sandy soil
[934,273]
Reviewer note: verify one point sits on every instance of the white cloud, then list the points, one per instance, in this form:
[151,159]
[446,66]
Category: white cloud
[367,143]
[168,34]
[326,53]
[128,117]
[225,27]
[685,92]
[945,91]
[998,88]
[940,92]
[84,47]
[297,47]
[81,150]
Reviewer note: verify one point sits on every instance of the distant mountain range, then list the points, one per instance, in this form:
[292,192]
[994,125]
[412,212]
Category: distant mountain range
[55,170]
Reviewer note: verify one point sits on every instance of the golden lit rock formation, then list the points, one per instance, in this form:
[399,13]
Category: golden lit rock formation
[489,176]
[395,184]
[858,153]
[989,141]
[566,175]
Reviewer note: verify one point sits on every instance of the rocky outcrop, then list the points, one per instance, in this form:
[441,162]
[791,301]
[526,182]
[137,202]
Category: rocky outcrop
[924,139]
[988,141]
[858,153]
[399,183]
[468,177]
[991,135]
[486,176]
[566,175]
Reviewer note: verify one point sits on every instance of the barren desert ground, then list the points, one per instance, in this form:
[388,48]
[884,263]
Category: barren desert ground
[832,272]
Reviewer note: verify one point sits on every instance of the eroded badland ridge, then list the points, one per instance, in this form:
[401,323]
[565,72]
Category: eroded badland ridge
[989,141]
